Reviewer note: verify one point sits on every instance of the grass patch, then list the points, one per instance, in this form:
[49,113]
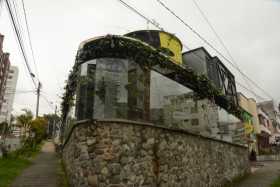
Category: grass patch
[10,168]
[15,162]
[276,183]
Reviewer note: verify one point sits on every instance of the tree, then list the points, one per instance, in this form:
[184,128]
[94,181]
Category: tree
[24,121]
[39,127]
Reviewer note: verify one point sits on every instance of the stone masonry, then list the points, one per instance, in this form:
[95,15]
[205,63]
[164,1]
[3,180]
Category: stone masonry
[130,154]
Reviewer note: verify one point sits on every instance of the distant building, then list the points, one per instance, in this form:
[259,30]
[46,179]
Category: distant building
[271,109]
[4,70]
[251,125]
[7,106]
[265,134]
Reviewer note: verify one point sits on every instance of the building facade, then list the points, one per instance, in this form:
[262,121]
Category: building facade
[4,70]
[251,125]
[7,106]
[134,102]
[272,111]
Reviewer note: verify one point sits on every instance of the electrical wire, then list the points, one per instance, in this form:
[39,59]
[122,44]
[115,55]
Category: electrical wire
[48,102]
[219,39]
[141,15]
[20,41]
[249,90]
[188,48]
[211,46]
[29,38]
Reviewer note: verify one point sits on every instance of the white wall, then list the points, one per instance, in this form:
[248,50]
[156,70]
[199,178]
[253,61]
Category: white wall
[5,113]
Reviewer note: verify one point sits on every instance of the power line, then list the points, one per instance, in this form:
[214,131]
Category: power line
[29,38]
[244,87]
[219,39]
[211,46]
[157,25]
[48,102]
[20,42]
[141,15]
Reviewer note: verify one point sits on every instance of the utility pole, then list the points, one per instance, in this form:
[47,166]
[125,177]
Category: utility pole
[38,98]
[54,123]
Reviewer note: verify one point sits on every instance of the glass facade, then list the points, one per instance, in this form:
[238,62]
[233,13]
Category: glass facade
[114,88]
[175,106]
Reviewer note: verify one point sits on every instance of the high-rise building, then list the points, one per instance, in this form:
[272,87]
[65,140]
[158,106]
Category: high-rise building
[7,105]
[4,70]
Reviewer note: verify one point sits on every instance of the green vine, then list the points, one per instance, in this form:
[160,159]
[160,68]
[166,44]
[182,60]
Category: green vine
[112,46]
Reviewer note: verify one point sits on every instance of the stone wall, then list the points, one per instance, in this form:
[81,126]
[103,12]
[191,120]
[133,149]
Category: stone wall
[127,154]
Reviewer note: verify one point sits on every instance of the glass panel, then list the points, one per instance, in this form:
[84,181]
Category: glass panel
[85,90]
[166,107]
[120,89]
[111,95]
[230,128]
[176,106]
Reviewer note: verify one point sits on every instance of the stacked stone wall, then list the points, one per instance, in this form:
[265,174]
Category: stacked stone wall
[127,154]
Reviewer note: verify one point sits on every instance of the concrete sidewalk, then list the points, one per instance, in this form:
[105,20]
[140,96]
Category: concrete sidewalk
[42,172]
[263,175]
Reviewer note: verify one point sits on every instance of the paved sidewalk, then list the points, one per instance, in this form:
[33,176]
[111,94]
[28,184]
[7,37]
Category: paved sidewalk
[263,176]
[42,172]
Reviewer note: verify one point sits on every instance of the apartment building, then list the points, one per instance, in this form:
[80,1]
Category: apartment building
[4,70]
[7,105]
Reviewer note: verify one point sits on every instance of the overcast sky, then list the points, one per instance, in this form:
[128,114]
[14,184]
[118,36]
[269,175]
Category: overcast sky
[250,29]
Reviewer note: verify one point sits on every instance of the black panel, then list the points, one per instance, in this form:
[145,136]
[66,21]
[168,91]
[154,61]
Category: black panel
[150,37]
[213,74]
[226,81]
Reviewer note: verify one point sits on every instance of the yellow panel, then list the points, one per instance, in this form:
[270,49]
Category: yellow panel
[172,43]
